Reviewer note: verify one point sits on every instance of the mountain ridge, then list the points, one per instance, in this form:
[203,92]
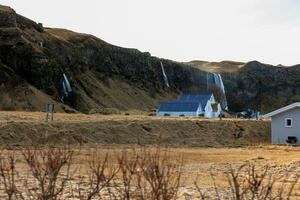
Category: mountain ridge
[104,76]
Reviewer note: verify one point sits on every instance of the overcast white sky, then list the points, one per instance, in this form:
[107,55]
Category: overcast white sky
[182,30]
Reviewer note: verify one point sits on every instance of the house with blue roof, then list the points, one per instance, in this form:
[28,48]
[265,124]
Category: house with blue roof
[191,105]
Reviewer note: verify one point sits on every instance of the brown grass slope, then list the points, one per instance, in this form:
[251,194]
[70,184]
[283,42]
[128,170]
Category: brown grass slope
[132,130]
[217,67]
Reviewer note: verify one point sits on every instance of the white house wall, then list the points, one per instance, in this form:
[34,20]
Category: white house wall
[280,133]
[177,114]
[208,110]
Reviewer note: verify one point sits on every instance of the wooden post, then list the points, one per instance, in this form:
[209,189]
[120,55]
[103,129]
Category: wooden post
[49,110]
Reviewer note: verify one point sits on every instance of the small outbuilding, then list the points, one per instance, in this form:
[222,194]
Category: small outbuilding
[285,124]
[191,105]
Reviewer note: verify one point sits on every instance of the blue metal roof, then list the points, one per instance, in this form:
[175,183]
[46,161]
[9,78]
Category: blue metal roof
[201,98]
[177,106]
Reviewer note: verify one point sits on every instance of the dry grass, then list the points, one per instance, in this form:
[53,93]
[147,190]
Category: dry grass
[98,168]
[103,170]
[25,127]
[107,172]
[5,9]
[50,173]
[217,67]
[19,116]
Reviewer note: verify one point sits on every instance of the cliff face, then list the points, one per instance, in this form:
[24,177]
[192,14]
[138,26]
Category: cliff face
[33,59]
[263,87]
[255,85]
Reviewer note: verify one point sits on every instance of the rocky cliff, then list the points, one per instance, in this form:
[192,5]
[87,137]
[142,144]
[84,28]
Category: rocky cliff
[33,60]
[103,76]
[263,87]
[255,85]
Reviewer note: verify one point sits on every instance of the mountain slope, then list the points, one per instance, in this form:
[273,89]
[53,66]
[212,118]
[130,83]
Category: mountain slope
[255,85]
[101,75]
[33,60]
[263,87]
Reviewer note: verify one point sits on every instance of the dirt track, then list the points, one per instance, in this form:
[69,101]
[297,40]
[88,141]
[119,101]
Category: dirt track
[23,127]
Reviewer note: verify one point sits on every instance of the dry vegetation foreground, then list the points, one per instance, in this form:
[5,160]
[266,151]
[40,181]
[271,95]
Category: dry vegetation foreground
[116,157]
[117,172]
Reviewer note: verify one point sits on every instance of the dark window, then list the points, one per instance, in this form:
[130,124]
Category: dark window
[288,122]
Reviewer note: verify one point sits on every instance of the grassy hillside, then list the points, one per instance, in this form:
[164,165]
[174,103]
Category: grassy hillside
[219,67]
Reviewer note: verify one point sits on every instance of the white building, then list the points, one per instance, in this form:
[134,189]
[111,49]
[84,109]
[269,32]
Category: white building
[191,105]
[285,124]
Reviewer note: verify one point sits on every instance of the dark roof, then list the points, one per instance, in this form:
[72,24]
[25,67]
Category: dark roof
[201,98]
[177,106]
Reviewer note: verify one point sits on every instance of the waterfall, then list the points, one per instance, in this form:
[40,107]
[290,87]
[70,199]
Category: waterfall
[216,79]
[67,83]
[66,86]
[164,75]
[220,83]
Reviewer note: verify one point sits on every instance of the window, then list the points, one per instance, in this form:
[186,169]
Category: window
[288,122]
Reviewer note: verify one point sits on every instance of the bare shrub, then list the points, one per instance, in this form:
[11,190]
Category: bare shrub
[162,175]
[101,173]
[255,183]
[50,168]
[129,167]
[134,174]
[251,182]
[148,174]
[8,176]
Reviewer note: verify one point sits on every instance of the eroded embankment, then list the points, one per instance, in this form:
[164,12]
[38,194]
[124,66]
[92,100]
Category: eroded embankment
[144,131]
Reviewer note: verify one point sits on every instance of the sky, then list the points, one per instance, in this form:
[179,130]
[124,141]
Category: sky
[181,30]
